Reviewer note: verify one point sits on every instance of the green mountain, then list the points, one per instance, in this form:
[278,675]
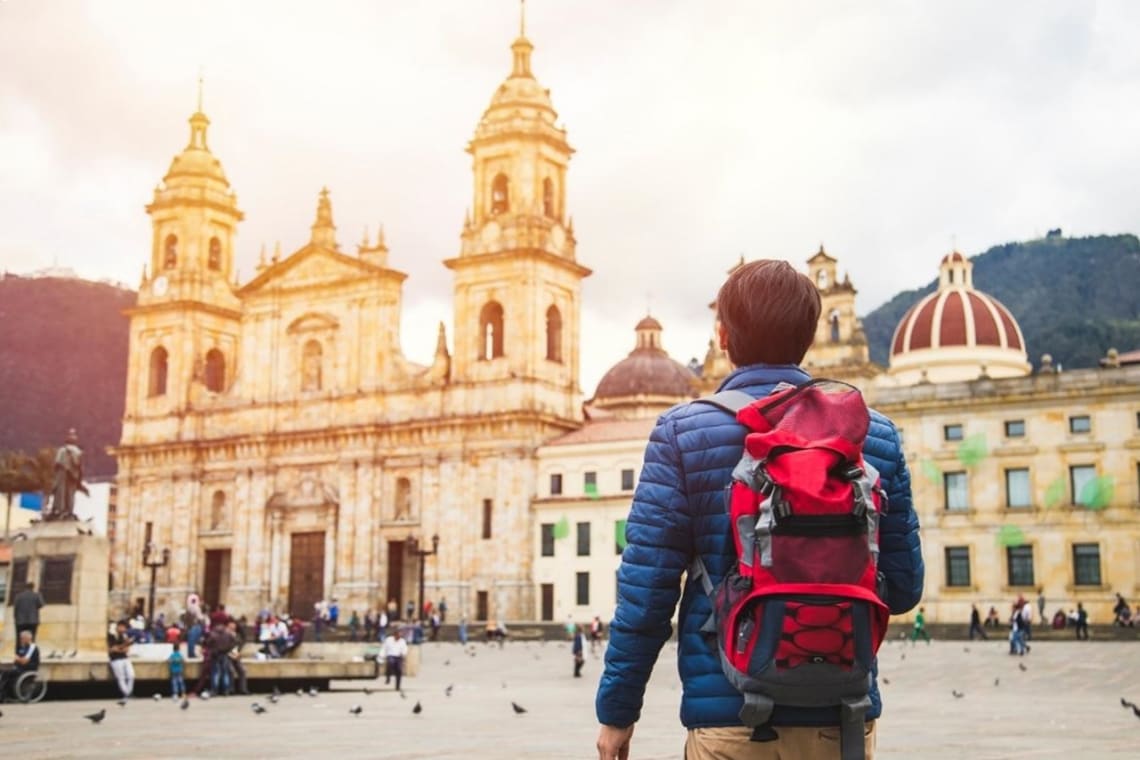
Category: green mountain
[63,361]
[1074,298]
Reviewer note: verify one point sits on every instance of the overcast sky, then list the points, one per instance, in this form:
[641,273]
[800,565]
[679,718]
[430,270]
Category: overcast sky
[704,130]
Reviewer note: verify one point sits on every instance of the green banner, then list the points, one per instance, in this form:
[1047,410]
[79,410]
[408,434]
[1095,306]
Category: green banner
[619,535]
[562,528]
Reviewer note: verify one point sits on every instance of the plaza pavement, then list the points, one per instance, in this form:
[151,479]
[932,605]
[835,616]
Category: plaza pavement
[1065,705]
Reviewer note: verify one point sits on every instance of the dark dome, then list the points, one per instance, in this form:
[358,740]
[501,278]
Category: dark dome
[646,372]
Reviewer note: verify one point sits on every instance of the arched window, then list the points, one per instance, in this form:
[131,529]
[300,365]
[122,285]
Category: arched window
[500,195]
[403,505]
[311,366]
[491,331]
[215,371]
[548,197]
[158,361]
[170,252]
[215,259]
[218,511]
[833,322]
[821,279]
[554,334]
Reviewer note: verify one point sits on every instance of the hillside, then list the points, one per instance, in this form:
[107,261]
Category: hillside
[63,359]
[1074,297]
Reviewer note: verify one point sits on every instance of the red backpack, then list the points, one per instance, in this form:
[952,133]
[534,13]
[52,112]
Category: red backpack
[799,616]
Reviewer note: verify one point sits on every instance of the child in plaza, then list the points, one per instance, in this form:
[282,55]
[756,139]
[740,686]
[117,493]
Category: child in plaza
[176,663]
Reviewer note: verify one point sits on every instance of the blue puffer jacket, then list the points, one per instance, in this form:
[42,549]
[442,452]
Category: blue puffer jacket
[678,509]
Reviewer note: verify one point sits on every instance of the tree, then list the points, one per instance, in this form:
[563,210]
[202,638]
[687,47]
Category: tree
[20,473]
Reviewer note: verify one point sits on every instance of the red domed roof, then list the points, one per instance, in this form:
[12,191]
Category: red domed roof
[953,257]
[956,316]
[648,323]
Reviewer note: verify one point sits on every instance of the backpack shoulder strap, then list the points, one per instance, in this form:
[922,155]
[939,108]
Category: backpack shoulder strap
[730,400]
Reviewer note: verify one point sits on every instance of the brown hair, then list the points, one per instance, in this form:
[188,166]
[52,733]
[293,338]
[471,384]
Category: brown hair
[769,312]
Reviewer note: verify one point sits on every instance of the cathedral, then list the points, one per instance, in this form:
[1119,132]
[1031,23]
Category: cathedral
[279,444]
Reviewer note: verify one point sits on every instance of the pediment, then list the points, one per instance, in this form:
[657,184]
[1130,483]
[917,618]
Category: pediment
[311,265]
[313,322]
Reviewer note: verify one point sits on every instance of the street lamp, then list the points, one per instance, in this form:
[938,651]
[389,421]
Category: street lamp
[423,554]
[153,563]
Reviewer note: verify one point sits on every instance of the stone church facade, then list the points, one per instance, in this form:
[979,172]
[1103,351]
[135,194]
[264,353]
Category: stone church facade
[277,441]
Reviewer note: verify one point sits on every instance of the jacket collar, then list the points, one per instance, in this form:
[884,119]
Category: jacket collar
[764,374]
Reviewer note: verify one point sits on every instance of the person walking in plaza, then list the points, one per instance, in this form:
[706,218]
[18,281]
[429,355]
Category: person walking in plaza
[1082,624]
[767,316]
[919,627]
[577,650]
[176,665]
[462,631]
[118,651]
[596,629]
[1041,605]
[976,628]
[26,610]
[395,652]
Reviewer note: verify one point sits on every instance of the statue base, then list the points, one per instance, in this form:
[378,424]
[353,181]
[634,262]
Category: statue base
[69,570]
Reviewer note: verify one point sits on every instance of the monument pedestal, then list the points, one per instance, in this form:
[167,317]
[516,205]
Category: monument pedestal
[70,571]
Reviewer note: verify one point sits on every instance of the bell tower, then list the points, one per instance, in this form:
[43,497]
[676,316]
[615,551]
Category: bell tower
[185,327]
[517,281]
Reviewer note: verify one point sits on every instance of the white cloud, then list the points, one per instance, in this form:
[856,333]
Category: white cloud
[704,131]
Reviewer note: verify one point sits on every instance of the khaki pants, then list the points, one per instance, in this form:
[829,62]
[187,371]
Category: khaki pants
[795,743]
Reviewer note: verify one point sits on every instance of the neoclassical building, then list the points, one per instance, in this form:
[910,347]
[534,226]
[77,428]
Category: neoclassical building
[278,442]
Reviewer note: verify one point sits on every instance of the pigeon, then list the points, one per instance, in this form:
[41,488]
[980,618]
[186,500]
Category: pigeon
[356,709]
[965,649]
[447,691]
[96,717]
[519,709]
[417,709]
[312,691]
[122,702]
[300,692]
[997,681]
[887,681]
[1125,703]
[957,694]
[185,703]
[1136,711]
[446,663]
[157,697]
[204,695]
[904,655]
[257,708]
[72,653]
[276,692]
[273,698]
[367,691]
[1021,667]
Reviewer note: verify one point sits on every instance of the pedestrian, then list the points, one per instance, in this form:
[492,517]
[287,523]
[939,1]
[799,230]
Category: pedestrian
[1017,645]
[596,629]
[410,610]
[354,626]
[768,315]
[176,664]
[382,625]
[369,625]
[976,628]
[1041,605]
[395,650]
[576,649]
[1026,612]
[118,651]
[919,627]
[435,624]
[193,636]
[334,613]
[462,632]
[1082,623]
[221,643]
[27,659]
[443,609]
[26,610]
[233,656]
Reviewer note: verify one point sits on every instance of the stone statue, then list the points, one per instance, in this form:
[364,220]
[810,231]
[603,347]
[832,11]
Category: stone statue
[67,480]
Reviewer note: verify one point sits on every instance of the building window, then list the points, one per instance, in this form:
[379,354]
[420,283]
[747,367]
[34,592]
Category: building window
[955,491]
[1081,478]
[952,432]
[218,510]
[627,480]
[215,371]
[957,566]
[1017,492]
[491,331]
[488,508]
[55,579]
[556,484]
[583,582]
[1015,428]
[500,195]
[547,539]
[590,483]
[1086,564]
[170,252]
[312,360]
[583,539]
[1080,423]
[548,197]
[402,509]
[619,537]
[214,260]
[158,365]
[1019,560]
[833,322]
[553,334]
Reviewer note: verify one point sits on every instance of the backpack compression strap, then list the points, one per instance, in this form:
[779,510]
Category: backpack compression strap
[730,401]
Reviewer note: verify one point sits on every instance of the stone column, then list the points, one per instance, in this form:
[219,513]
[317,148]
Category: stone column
[276,520]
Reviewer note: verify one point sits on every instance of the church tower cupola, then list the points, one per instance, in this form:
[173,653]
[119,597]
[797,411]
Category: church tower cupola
[324,231]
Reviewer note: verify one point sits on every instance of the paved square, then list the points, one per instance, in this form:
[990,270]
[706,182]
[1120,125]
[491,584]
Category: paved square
[1065,705]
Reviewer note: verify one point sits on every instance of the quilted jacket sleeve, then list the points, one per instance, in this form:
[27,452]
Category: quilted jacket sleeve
[900,558]
[658,547]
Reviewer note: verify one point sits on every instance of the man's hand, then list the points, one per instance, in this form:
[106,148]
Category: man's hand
[613,742]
